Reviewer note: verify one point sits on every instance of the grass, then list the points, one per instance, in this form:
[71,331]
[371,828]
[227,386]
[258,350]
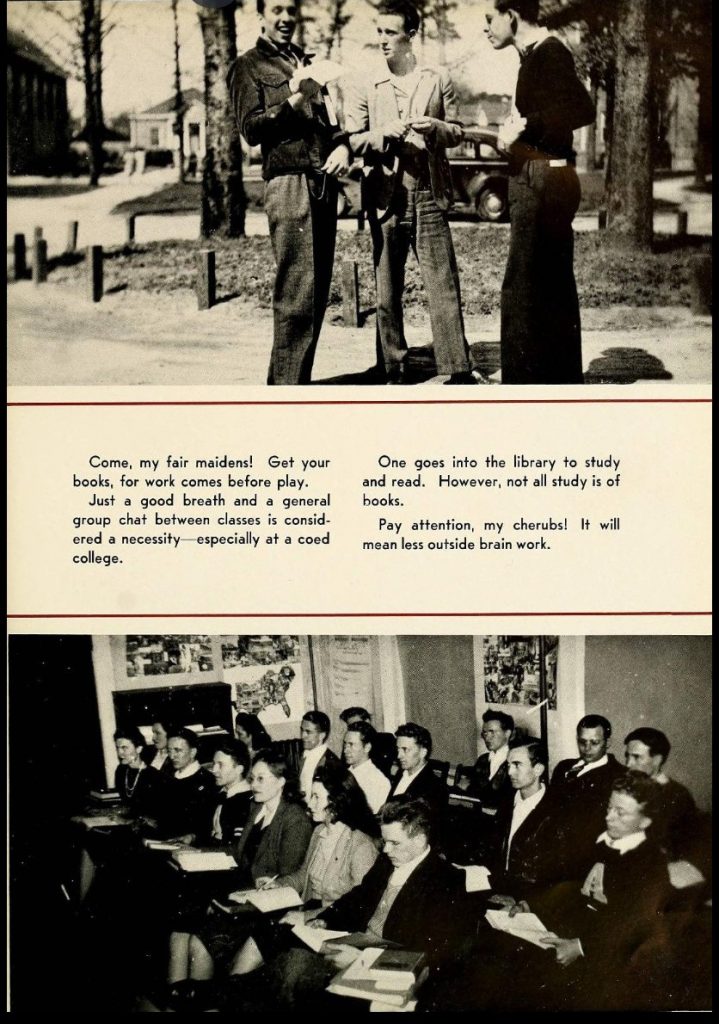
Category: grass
[607,273]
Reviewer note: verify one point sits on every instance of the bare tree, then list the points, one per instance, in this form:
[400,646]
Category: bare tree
[89,26]
[179,125]
[223,197]
[338,20]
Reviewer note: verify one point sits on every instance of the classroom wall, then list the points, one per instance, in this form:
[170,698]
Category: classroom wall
[664,682]
[438,674]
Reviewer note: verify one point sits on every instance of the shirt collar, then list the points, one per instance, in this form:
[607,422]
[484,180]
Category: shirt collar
[188,770]
[592,764]
[400,874]
[530,802]
[235,788]
[661,778]
[265,815]
[364,767]
[315,755]
[499,756]
[272,49]
[538,35]
[414,775]
[624,844]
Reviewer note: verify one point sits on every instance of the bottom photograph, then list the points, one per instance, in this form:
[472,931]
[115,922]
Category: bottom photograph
[241,823]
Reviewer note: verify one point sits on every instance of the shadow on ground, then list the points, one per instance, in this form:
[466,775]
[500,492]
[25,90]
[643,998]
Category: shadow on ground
[52,190]
[625,366]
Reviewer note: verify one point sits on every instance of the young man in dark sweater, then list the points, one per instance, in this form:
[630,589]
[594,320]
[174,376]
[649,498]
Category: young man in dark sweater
[541,337]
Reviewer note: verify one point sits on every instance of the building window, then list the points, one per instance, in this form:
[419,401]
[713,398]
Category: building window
[154,136]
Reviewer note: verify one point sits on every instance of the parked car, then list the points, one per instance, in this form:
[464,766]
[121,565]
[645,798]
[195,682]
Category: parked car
[479,174]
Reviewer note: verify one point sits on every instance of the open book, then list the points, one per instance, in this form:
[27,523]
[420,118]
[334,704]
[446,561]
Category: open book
[204,860]
[316,937]
[268,900]
[523,926]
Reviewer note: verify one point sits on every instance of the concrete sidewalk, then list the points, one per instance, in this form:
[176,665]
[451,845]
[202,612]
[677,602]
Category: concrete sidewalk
[58,337]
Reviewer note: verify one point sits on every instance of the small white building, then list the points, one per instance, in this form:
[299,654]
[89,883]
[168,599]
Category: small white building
[152,129]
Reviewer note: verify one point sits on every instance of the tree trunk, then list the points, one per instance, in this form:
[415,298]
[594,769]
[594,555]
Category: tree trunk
[703,152]
[630,201]
[223,197]
[591,155]
[91,38]
[179,125]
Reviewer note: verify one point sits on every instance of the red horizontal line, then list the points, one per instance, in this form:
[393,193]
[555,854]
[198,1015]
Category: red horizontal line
[409,401]
[332,615]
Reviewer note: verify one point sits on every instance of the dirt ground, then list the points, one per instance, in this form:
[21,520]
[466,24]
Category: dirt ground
[57,336]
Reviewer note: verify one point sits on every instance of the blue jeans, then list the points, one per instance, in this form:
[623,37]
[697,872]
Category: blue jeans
[418,222]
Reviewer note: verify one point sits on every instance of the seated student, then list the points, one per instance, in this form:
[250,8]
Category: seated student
[675,824]
[384,749]
[490,780]
[191,795]
[600,932]
[410,896]
[583,785]
[416,779]
[357,748]
[155,754]
[273,842]
[250,731]
[524,852]
[141,790]
[230,768]
[340,854]
[314,733]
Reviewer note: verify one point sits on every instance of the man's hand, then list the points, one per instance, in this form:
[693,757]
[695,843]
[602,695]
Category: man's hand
[265,882]
[305,86]
[395,131]
[520,907]
[338,162]
[567,950]
[502,901]
[340,955]
[423,125]
[511,130]
[317,923]
[293,917]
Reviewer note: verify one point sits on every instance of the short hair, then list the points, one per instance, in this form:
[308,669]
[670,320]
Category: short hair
[254,729]
[413,815]
[346,801]
[350,713]
[505,720]
[191,738]
[528,10]
[418,733]
[260,7]
[535,748]
[276,760]
[237,750]
[131,733]
[655,739]
[365,730]
[402,9]
[318,718]
[595,722]
[645,790]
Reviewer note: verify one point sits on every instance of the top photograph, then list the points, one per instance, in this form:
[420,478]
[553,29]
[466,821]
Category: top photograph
[360,192]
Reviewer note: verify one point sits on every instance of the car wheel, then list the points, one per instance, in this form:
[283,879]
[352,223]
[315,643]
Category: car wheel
[491,203]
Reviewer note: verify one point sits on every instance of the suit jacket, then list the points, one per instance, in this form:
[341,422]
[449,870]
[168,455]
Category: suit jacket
[492,791]
[190,801]
[369,106]
[426,915]
[582,803]
[427,786]
[353,856]
[283,844]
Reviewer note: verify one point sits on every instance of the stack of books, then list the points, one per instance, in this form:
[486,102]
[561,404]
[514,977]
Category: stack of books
[386,977]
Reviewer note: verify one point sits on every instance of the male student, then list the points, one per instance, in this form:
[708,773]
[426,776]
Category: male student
[314,733]
[384,749]
[303,152]
[490,781]
[357,749]
[416,778]
[540,333]
[675,824]
[401,121]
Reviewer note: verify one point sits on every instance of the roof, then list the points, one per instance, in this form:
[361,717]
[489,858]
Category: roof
[30,51]
[189,96]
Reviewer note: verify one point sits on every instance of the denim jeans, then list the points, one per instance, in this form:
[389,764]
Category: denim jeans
[303,226]
[418,222]
[541,336]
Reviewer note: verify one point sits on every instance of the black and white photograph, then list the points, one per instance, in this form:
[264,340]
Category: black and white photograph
[407,844]
[228,193]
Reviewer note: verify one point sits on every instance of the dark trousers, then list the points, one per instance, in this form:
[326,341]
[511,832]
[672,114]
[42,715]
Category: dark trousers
[541,335]
[303,226]
[417,222]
